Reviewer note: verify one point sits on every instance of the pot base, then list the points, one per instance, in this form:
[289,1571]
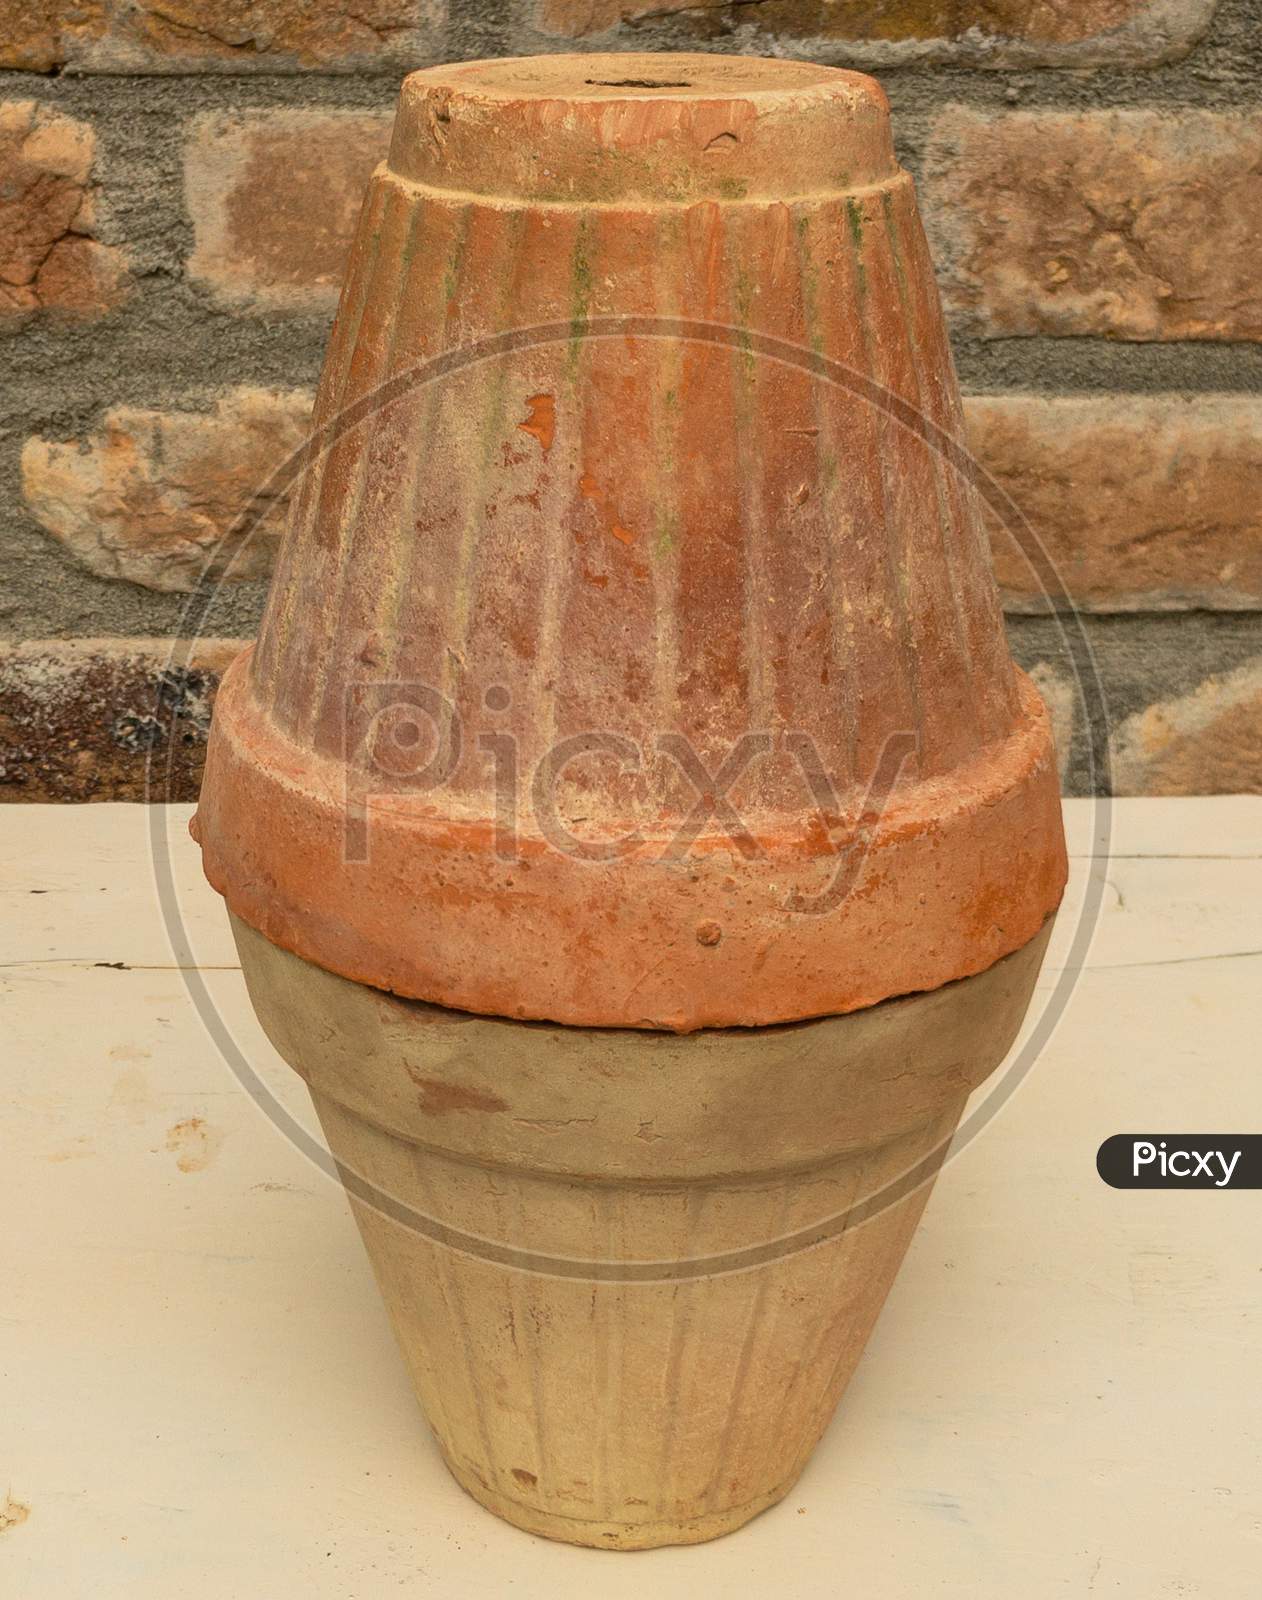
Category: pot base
[631,1273]
[608,1535]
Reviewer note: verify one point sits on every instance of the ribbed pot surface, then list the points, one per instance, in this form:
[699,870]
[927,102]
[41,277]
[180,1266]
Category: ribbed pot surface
[632,1272]
[633,657]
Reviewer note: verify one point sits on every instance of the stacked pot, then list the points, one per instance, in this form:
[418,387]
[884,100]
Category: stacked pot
[634,827]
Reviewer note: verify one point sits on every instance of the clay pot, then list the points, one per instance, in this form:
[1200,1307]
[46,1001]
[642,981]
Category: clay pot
[636,830]
[631,1271]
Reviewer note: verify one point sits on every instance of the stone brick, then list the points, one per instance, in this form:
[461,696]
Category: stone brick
[1143,503]
[274,197]
[107,719]
[1206,742]
[50,258]
[225,35]
[44,35]
[164,498]
[883,33]
[1132,224]
[1060,695]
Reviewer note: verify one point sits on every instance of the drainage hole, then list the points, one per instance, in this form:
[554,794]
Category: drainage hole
[637,83]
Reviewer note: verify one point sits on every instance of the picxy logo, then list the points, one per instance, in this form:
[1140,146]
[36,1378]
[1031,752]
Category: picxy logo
[1181,1161]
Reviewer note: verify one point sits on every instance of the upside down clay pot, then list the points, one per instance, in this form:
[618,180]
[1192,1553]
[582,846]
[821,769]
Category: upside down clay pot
[634,827]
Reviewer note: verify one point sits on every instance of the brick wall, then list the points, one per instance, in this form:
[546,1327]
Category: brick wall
[177,186]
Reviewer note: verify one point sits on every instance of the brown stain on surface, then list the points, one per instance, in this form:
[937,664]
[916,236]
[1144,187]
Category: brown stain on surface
[128,1052]
[12,1512]
[132,1095]
[437,1096]
[75,1151]
[194,1144]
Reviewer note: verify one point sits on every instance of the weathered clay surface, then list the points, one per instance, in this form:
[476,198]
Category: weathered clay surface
[631,1273]
[654,534]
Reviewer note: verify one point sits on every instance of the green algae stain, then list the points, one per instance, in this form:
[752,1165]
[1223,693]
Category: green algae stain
[891,234]
[809,273]
[854,216]
[854,219]
[580,292]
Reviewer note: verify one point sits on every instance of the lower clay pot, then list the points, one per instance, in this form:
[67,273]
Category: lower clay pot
[631,1272]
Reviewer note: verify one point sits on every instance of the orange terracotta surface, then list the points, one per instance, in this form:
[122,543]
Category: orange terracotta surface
[685,473]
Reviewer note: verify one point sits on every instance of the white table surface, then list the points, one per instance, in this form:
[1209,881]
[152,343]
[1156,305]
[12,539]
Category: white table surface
[201,1396]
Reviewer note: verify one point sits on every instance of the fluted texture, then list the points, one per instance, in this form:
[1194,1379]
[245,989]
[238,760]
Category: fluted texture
[630,1414]
[631,1272]
[638,435]
[645,532]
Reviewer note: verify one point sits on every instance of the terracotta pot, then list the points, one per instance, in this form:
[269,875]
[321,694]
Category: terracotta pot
[632,686]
